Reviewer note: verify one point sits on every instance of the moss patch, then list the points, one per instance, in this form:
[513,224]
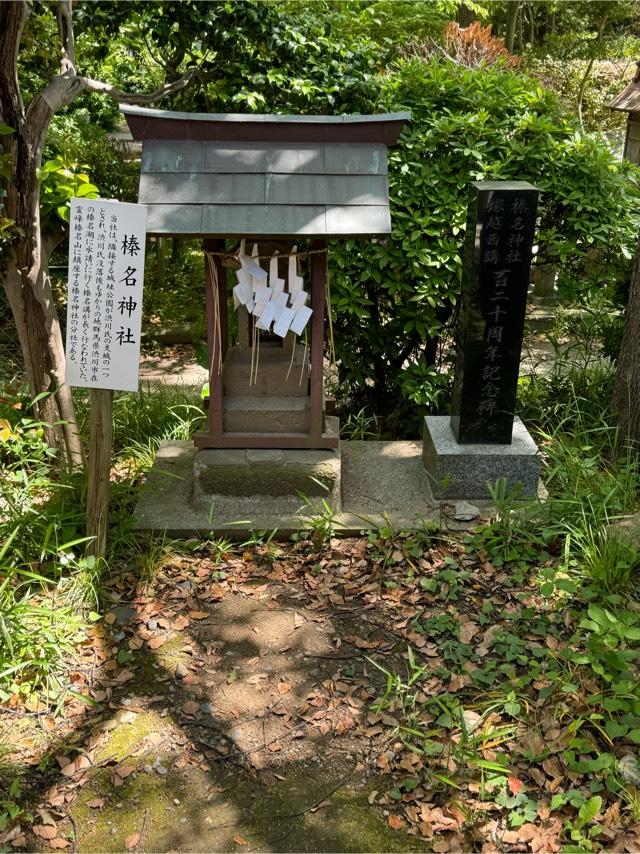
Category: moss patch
[124,739]
[194,810]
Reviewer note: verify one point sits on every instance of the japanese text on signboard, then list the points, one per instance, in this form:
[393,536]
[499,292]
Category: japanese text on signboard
[104,305]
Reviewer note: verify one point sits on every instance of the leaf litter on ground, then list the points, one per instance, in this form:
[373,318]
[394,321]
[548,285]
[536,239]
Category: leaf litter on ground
[470,691]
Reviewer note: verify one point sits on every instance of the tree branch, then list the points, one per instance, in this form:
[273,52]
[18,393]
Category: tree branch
[158,61]
[13,17]
[583,83]
[67,40]
[62,90]
[135,97]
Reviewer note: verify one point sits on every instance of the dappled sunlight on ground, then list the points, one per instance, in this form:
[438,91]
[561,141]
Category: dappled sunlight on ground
[234,707]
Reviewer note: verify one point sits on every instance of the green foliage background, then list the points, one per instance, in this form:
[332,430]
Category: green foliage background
[393,299]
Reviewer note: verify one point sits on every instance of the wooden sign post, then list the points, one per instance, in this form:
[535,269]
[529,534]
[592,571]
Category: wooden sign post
[104,315]
[99,469]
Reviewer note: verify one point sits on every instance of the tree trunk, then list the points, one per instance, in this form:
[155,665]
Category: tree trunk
[625,400]
[581,91]
[585,77]
[510,31]
[26,273]
[38,336]
[161,249]
[26,279]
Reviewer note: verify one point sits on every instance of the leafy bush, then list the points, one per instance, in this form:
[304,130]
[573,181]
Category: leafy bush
[263,58]
[109,161]
[174,287]
[40,523]
[48,588]
[606,80]
[60,181]
[474,46]
[393,298]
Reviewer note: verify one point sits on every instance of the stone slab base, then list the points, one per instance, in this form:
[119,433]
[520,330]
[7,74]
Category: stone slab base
[462,471]
[240,483]
[261,414]
[381,483]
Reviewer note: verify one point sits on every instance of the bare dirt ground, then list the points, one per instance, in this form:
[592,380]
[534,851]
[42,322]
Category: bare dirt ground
[176,365]
[233,700]
[230,714]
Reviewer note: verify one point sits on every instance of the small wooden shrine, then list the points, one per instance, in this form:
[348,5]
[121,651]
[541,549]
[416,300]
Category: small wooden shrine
[261,185]
[628,101]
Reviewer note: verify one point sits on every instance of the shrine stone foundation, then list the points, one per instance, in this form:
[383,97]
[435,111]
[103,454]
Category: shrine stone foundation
[269,455]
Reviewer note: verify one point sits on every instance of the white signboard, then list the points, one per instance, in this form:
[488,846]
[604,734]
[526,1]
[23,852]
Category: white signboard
[104,300]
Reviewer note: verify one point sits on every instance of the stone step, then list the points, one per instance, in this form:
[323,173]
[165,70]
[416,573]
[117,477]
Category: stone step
[245,482]
[261,414]
[271,375]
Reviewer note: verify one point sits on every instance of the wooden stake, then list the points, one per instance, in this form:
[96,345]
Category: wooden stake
[99,469]
[318,288]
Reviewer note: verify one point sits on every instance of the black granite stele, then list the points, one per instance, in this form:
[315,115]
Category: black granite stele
[495,281]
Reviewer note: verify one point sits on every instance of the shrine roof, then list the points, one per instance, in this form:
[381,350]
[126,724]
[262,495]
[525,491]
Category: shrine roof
[628,101]
[229,175]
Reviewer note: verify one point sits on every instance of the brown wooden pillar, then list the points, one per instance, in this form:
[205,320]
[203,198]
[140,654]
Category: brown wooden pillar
[217,334]
[318,285]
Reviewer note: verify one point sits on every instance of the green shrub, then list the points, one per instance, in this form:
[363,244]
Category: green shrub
[393,298]
[604,82]
[174,287]
[109,162]
[606,561]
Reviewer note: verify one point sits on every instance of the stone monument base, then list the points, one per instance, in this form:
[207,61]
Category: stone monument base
[463,471]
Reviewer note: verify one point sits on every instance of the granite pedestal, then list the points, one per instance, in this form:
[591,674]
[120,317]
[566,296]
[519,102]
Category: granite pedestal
[462,471]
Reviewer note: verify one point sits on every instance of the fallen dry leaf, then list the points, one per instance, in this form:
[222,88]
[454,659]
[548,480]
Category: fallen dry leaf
[80,763]
[132,841]
[457,682]
[46,817]
[55,798]
[121,773]
[515,785]
[239,840]
[45,831]
[395,822]
[468,631]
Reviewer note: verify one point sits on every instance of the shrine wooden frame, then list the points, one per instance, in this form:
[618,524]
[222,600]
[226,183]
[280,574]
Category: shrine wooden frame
[217,346]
